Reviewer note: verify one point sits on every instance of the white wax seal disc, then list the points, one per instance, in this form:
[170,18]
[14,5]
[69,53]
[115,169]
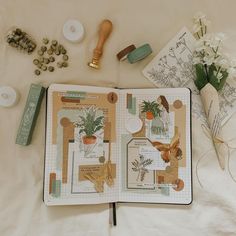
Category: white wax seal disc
[134,125]
[73,30]
[8,96]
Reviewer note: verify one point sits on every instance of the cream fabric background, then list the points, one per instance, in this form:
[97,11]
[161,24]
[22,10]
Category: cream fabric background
[22,212]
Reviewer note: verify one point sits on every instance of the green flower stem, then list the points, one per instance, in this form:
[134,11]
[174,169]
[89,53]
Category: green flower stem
[198,35]
[217,49]
[218,71]
[201,26]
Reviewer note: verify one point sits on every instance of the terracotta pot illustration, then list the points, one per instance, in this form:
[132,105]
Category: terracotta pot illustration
[89,139]
[149,115]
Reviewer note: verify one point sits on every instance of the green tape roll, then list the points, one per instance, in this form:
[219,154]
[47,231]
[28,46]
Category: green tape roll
[139,53]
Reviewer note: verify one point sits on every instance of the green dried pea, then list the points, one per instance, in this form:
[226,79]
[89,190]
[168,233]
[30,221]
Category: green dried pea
[59,64]
[64,64]
[37,72]
[43,48]
[57,52]
[46,60]
[39,65]
[63,51]
[65,57]
[60,47]
[45,41]
[51,68]
[51,59]
[36,61]
[40,59]
[54,42]
[44,68]
[53,48]
[50,51]
[40,52]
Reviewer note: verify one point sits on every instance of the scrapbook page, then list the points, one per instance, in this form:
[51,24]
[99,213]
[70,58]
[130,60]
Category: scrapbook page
[110,145]
[81,132]
[155,140]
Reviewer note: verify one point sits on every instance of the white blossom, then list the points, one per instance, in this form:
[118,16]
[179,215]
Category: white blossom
[218,75]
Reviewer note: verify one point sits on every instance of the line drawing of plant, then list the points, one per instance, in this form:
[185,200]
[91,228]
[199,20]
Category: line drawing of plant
[89,123]
[182,41]
[140,167]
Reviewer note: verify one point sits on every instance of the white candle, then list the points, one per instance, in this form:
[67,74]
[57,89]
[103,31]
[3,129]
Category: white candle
[8,96]
[73,31]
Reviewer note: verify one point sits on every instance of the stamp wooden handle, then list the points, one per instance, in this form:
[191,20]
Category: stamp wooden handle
[104,32]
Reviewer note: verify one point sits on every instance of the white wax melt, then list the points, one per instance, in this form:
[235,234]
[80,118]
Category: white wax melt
[134,125]
[73,31]
[8,96]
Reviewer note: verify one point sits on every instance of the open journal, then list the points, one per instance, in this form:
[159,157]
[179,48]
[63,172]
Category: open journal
[117,145]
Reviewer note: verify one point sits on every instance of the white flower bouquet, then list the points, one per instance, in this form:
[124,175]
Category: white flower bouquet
[213,67]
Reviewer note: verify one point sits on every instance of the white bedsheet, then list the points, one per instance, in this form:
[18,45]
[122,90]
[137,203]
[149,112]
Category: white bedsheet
[22,211]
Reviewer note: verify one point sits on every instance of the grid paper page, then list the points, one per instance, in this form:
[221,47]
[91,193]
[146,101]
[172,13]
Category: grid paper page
[69,196]
[184,173]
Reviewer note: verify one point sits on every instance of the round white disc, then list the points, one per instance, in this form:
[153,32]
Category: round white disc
[8,96]
[73,30]
[134,125]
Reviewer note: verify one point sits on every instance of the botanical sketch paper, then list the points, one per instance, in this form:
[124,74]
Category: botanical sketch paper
[173,67]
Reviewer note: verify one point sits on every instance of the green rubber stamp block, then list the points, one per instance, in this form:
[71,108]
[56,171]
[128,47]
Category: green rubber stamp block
[29,117]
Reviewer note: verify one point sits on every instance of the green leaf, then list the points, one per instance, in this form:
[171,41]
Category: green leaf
[201,79]
[98,128]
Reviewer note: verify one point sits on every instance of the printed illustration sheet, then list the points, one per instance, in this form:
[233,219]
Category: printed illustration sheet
[81,160]
[155,147]
[173,67]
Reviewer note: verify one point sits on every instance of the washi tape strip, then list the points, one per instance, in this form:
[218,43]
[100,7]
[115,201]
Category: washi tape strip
[52,178]
[165,191]
[56,188]
[107,131]
[139,53]
[122,55]
[129,101]
[132,110]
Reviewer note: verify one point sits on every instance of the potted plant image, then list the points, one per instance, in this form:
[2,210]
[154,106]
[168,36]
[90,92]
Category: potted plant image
[151,109]
[89,123]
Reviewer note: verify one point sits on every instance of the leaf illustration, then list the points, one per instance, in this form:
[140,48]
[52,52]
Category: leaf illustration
[139,166]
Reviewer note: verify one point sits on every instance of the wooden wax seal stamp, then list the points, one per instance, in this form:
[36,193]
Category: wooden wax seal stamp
[104,32]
